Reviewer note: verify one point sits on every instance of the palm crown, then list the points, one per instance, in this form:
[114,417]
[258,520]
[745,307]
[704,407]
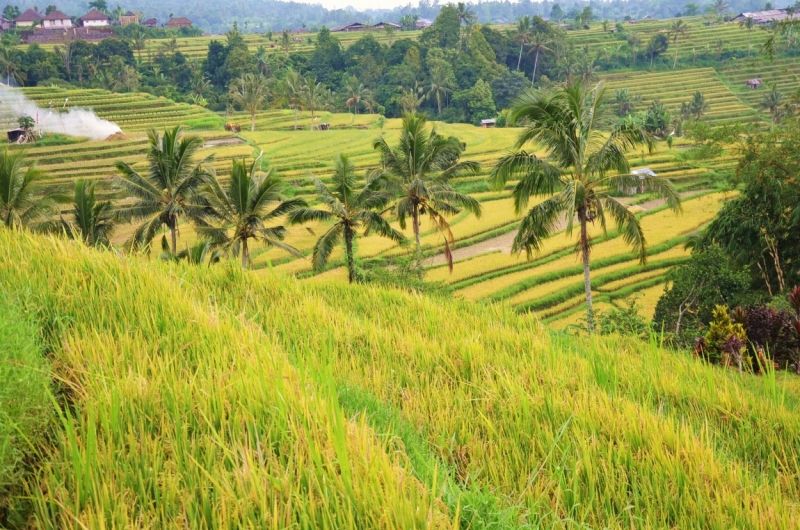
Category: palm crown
[349,210]
[164,193]
[581,165]
[92,221]
[18,206]
[421,168]
[230,217]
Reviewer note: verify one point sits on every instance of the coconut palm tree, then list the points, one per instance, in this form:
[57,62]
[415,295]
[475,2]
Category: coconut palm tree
[9,65]
[633,41]
[521,33]
[355,92]
[350,210]
[139,39]
[421,167]
[580,166]
[164,193]
[411,98]
[677,30]
[251,91]
[19,208]
[315,97]
[539,44]
[230,217]
[698,106]
[748,23]
[91,221]
[439,86]
[294,86]
[772,103]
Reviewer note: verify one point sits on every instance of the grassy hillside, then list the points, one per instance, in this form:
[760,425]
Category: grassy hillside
[212,398]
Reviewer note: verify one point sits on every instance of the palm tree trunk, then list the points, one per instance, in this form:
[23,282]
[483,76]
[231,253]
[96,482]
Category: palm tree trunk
[439,100]
[295,118]
[535,65]
[415,224]
[675,62]
[173,232]
[245,253]
[252,121]
[348,242]
[519,61]
[587,281]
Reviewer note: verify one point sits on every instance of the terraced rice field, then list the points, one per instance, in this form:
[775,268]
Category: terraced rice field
[674,87]
[549,285]
[783,73]
[701,38]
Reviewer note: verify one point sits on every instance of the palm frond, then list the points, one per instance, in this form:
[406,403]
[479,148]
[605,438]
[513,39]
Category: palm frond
[628,225]
[539,223]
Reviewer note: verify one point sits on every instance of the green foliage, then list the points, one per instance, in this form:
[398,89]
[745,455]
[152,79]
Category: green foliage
[20,207]
[695,289]
[626,321]
[25,402]
[725,340]
[91,221]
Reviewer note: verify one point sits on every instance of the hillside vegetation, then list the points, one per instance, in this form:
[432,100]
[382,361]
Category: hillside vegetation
[209,397]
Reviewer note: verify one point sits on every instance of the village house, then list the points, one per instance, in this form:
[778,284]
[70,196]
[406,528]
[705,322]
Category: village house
[383,25]
[178,23]
[56,20]
[150,23]
[28,19]
[353,26]
[488,124]
[423,23]
[4,24]
[762,18]
[94,18]
[129,18]
[753,83]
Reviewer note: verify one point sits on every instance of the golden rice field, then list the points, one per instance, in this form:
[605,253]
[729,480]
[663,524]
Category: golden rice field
[483,274]
[210,397]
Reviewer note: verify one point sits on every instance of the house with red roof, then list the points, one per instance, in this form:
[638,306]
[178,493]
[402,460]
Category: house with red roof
[56,20]
[28,19]
[94,18]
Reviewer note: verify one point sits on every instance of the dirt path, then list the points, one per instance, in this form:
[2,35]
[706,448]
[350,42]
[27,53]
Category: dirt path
[504,242]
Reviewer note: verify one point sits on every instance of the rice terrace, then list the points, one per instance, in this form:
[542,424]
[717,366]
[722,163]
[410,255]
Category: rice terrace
[475,266]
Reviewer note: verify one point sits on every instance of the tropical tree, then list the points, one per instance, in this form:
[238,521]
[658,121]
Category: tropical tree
[634,41]
[411,98]
[10,65]
[440,86]
[294,87]
[772,103]
[164,193]
[315,97]
[539,44]
[139,39]
[230,217]
[100,5]
[286,42]
[698,106]
[521,33]
[625,102]
[420,168]
[581,165]
[19,208]
[90,221]
[748,23]
[356,93]
[720,6]
[350,210]
[677,30]
[251,91]
[465,14]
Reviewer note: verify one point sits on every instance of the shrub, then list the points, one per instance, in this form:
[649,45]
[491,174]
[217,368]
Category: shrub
[725,340]
[623,320]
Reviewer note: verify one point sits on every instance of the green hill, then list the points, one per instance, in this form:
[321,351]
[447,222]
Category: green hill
[213,398]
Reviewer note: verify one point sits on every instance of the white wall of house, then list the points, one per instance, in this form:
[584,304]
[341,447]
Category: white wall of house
[94,23]
[65,23]
[23,24]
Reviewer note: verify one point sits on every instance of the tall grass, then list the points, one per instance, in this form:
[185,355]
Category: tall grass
[216,398]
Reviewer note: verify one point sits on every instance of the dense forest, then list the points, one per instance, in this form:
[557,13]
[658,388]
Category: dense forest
[277,16]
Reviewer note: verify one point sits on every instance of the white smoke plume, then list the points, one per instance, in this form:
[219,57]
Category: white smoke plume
[72,122]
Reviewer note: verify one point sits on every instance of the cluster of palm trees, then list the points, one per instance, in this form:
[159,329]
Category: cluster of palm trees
[254,92]
[537,43]
[577,174]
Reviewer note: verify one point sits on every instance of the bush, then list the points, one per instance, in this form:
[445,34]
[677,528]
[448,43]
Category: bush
[623,320]
[24,402]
